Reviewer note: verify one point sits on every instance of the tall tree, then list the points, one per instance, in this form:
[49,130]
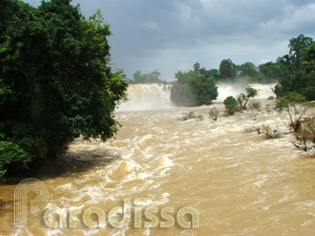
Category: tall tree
[56,77]
[297,47]
[227,69]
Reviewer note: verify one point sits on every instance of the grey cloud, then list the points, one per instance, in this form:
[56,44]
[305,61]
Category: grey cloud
[144,30]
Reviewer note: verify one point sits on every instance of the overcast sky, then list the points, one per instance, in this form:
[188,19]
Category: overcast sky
[171,35]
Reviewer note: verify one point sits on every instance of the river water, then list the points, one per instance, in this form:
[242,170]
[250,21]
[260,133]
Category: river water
[240,183]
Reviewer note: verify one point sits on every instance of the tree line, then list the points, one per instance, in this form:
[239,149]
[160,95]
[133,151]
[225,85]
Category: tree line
[294,72]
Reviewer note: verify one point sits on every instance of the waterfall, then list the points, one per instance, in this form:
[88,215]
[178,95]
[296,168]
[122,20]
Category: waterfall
[142,97]
[147,97]
[225,90]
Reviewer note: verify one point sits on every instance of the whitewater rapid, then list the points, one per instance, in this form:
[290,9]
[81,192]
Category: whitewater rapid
[240,183]
[146,97]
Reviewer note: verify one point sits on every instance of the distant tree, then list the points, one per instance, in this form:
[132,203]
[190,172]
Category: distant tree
[213,73]
[193,88]
[309,59]
[308,62]
[227,69]
[153,77]
[204,90]
[230,104]
[297,48]
[271,71]
[138,78]
[197,67]
[248,69]
[298,69]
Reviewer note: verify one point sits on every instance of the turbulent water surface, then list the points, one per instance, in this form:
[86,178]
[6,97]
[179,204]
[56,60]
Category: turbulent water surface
[241,183]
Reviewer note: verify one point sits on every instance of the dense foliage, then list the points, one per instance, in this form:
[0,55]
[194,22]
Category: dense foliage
[193,88]
[153,77]
[230,104]
[298,69]
[55,79]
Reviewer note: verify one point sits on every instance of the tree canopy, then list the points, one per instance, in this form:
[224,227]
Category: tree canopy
[227,69]
[299,69]
[153,77]
[56,82]
[193,88]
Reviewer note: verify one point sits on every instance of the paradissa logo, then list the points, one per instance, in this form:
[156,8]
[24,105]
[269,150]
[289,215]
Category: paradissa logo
[118,217]
[186,217]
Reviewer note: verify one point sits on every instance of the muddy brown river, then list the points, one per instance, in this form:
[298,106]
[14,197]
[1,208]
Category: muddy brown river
[240,183]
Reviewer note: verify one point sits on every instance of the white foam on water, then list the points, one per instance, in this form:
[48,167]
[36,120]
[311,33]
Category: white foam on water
[225,90]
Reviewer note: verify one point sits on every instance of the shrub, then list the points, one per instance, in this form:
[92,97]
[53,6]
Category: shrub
[305,137]
[253,129]
[213,114]
[271,133]
[255,105]
[11,154]
[191,115]
[264,129]
[292,104]
[230,104]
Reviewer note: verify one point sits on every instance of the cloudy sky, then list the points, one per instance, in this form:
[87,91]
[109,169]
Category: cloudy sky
[171,35]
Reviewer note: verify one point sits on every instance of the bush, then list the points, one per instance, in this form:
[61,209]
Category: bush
[271,133]
[191,115]
[11,154]
[305,137]
[292,104]
[243,99]
[253,129]
[264,129]
[255,105]
[230,104]
[213,114]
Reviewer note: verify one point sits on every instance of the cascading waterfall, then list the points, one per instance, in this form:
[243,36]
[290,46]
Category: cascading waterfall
[143,97]
[225,90]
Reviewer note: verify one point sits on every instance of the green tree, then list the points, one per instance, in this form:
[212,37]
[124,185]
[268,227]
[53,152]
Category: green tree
[56,82]
[230,104]
[153,77]
[308,62]
[248,69]
[243,99]
[227,69]
[297,47]
[204,90]
[271,71]
[197,67]
[193,88]
[298,74]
